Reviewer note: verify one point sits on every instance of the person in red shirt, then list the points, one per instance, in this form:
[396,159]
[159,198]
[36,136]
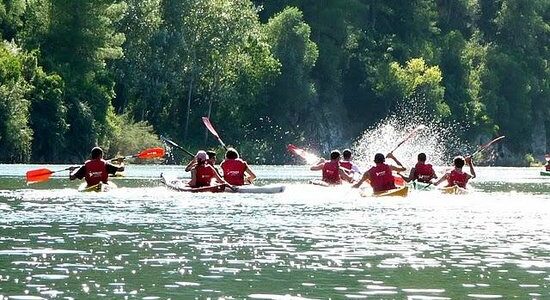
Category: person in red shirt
[548,166]
[347,164]
[422,171]
[211,161]
[96,169]
[333,173]
[380,176]
[203,174]
[235,170]
[456,176]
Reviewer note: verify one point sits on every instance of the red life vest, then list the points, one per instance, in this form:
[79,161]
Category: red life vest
[96,171]
[381,178]
[233,171]
[547,167]
[346,165]
[204,175]
[423,172]
[457,178]
[331,172]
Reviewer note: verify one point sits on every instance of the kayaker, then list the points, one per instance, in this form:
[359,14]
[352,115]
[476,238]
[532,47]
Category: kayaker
[203,174]
[211,161]
[380,176]
[456,176]
[548,166]
[333,173]
[96,169]
[235,170]
[347,164]
[422,171]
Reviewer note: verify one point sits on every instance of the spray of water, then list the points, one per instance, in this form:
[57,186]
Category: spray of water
[439,141]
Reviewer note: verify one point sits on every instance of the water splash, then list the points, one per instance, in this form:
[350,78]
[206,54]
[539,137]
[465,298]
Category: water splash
[439,140]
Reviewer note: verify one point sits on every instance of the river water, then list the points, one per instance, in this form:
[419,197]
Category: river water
[143,241]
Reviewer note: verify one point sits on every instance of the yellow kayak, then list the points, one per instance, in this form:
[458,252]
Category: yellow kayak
[398,192]
[454,190]
[100,187]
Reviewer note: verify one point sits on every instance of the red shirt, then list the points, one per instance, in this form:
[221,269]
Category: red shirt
[547,167]
[457,178]
[423,172]
[233,171]
[381,178]
[96,171]
[346,165]
[331,172]
[204,175]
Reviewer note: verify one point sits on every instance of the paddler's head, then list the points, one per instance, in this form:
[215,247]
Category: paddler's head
[458,162]
[379,158]
[201,157]
[211,157]
[97,153]
[422,157]
[346,154]
[335,155]
[231,154]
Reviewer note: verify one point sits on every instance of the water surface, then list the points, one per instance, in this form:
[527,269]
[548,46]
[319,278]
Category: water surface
[142,241]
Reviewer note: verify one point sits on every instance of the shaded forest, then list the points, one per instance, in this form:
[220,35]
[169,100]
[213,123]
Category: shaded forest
[75,74]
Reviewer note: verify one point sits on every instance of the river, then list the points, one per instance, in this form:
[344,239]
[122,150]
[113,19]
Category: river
[142,241]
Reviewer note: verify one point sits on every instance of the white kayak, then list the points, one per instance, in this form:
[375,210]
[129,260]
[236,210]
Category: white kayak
[181,185]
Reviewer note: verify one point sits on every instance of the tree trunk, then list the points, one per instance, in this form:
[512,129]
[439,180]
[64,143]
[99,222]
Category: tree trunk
[189,96]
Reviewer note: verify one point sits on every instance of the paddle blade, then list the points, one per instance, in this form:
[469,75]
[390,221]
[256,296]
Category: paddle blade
[156,152]
[310,158]
[487,145]
[399,181]
[38,175]
[208,125]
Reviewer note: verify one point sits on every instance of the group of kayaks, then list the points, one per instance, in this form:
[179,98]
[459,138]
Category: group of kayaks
[403,191]
[180,185]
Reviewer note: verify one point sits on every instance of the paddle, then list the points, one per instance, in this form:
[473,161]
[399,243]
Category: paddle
[479,150]
[41,175]
[487,145]
[156,152]
[210,128]
[409,136]
[309,157]
[171,143]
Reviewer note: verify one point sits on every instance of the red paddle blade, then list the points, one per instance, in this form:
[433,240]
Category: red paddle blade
[398,180]
[38,175]
[310,158]
[208,125]
[156,152]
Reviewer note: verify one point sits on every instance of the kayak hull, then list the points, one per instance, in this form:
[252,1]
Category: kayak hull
[98,188]
[398,192]
[181,186]
[252,189]
[544,173]
[454,190]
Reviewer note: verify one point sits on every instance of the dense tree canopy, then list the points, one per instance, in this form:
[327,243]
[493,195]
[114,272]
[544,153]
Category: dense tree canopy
[115,73]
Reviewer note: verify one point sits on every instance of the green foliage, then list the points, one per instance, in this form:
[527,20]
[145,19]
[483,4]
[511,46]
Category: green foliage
[127,137]
[315,72]
[15,133]
[420,83]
